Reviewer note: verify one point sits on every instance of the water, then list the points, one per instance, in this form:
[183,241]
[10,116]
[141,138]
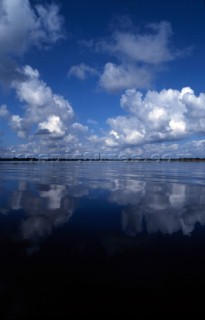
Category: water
[109,238]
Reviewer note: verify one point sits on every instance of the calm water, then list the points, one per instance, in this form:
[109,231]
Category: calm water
[101,238]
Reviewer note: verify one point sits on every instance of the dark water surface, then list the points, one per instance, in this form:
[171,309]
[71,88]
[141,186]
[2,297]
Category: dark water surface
[111,239]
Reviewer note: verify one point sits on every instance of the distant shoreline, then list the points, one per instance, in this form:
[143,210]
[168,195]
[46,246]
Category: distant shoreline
[102,160]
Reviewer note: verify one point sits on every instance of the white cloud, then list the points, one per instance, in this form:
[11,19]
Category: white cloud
[139,57]
[52,126]
[119,77]
[18,125]
[44,108]
[22,27]
[92,122]
[82,71]
[78,127]
[48,119]
[39,97]
[150,47]
[49,24]
[4,113]
[168,116]
[157,116]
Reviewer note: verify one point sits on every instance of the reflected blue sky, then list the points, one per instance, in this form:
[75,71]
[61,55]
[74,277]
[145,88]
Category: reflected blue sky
[148,197]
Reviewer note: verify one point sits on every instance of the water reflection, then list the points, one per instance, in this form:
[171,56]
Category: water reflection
[45,207]
[165,208]
[51,208]
[153,198]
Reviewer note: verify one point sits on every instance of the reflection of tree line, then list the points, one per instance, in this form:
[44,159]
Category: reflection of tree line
[159,207]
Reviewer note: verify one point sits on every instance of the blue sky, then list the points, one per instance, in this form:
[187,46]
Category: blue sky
[111,77]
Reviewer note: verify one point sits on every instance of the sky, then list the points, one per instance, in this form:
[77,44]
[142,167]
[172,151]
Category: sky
[112,77]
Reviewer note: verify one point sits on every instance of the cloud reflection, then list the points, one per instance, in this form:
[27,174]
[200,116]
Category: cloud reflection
[45,208]
[148,200]
[164,207]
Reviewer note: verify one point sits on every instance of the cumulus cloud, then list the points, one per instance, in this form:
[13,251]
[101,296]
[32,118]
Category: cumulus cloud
[47,119]
[82,71]
[168,116]
[139,56]
[53,126]
[118,77]
[50,112]
[41,25]
[157,116]
[22,27]
[78,127]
